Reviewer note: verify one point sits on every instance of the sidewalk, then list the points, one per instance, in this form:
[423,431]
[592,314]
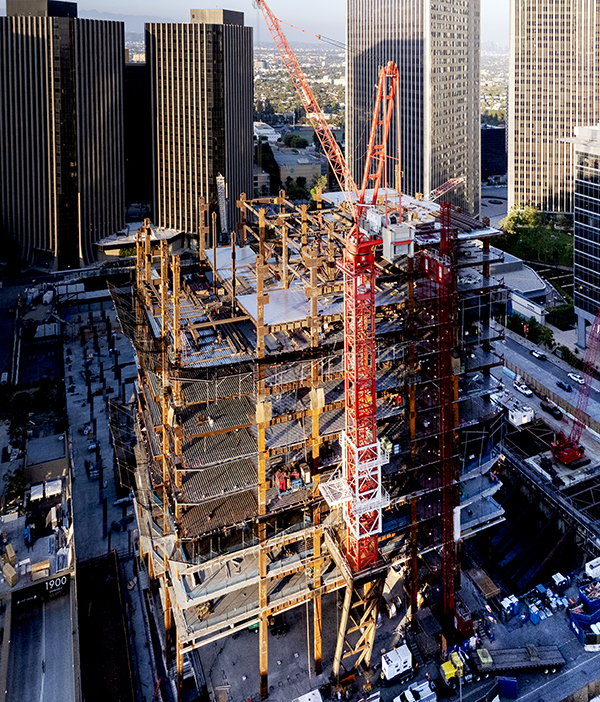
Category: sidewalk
[107,357]
[94,491]
[566,338]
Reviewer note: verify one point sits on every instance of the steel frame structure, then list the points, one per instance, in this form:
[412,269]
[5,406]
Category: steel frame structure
[439,267]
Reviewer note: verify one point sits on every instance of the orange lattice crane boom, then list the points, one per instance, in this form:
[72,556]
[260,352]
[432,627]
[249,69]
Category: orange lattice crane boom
[331,148]
[359,488]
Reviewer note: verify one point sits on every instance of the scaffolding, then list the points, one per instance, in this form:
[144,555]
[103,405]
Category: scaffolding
[241,414]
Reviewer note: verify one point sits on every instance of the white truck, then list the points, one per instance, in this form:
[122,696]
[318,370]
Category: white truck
[418,692]
[312,696]
[397,665]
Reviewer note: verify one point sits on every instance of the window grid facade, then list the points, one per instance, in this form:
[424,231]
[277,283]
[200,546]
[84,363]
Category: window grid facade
[202,95]
[586,226]
[554,86]
[61,135]
[436,48]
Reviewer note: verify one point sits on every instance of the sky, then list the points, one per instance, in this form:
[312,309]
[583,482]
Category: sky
[316,16]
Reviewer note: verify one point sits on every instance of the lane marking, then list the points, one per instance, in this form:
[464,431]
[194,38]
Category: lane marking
[43,651]
[557,678]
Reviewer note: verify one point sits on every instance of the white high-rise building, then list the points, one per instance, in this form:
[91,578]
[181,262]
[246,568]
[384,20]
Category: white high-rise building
[554,87]
[436,47]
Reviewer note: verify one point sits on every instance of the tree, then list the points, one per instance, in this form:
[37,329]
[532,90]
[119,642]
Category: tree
[15,482]
[529,235]
[540,334]
[512,220]
[295,141]
[533,218]
[516,323]
[296,189]
[319,181]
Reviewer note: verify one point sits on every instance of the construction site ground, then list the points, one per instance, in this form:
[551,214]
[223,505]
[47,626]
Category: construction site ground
[92,540]
[231,670]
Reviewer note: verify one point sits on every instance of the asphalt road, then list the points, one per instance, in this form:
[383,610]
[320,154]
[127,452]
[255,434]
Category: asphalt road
[494,203]
[548,372]
[40,667]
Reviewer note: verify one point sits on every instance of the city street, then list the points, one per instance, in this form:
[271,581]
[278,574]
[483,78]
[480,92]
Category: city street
[517,350]
[41,654]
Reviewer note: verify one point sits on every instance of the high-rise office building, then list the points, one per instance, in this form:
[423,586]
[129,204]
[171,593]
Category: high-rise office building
[554,86]
[586,227]
[61,136]
[137,125]
[436,48]
[202,98]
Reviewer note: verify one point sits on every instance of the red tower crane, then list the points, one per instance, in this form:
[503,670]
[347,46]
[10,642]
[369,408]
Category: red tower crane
[566,450]
[360,487]
[439,267]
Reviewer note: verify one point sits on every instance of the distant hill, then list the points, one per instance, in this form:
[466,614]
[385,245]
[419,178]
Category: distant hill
[133,23]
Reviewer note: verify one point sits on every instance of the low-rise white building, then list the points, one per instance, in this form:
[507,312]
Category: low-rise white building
[265,130]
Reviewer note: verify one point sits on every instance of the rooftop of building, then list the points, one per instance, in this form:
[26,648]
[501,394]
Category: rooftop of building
[289,157]
[518,277]
[420,214]
[128,235]
[40,535]
[40,8]
[46,448]
[217,17]
[585,136]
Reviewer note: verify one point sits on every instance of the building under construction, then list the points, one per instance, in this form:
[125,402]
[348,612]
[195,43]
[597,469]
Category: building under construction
[240,500]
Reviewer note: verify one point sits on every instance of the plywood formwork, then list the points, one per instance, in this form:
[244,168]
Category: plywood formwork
[242,405]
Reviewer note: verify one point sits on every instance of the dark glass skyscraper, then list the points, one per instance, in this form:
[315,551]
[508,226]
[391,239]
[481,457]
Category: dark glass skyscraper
[202,94]
[436,47]
[586,228]
[61,135]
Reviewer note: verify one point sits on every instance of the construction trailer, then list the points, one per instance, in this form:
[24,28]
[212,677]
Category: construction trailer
[241,406]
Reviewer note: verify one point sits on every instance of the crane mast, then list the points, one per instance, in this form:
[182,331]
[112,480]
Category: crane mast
[362,456]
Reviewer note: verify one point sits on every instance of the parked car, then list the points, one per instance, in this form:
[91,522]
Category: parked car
[538,354]
[564,386]
[522,388]
[551,409]
[576,378]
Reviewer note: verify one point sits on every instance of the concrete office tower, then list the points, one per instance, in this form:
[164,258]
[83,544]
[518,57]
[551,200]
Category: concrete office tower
[586,211]
[436,48]
[61,136]
[554,86]
[202,94]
